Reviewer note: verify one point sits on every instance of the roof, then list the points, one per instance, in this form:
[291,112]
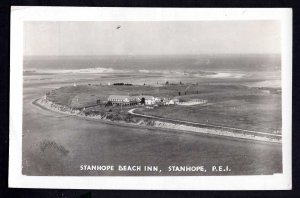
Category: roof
[147,97]
[119,97]
[135,97]
[123,97]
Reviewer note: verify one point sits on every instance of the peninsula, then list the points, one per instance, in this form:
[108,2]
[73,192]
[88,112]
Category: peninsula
[228,110]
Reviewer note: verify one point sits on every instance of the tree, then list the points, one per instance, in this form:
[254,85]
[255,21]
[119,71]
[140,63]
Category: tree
[143,100]
[180,83]
[109,103]
[167,82]
[179,93]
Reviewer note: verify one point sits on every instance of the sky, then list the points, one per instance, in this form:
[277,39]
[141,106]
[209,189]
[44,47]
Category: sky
[151,38]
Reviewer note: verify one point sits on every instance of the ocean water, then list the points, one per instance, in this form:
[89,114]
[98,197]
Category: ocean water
[157,63]
[250,70]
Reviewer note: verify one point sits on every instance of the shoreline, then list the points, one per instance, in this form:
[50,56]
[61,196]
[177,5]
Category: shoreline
[162,125]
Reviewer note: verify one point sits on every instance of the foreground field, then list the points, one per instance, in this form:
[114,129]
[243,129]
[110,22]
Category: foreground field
[256,112]
[228,105]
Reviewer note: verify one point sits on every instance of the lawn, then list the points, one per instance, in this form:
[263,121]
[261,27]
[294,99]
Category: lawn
[229,105]
[87,94]
[251,112]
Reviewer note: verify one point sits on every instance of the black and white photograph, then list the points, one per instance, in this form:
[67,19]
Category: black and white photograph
[153,98]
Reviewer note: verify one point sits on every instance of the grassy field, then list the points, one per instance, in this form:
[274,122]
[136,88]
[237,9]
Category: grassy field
[87,94]
[228,105]
[255,112]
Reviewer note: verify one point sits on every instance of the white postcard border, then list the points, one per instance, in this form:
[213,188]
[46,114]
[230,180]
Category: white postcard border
[21,14]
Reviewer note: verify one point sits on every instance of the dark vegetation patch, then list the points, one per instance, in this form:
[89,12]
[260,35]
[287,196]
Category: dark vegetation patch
[52,146]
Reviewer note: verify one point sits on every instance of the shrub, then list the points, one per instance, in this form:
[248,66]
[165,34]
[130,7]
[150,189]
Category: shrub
[52,145]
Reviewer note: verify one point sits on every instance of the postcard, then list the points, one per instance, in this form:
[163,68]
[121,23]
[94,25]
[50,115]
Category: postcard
[150,98]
